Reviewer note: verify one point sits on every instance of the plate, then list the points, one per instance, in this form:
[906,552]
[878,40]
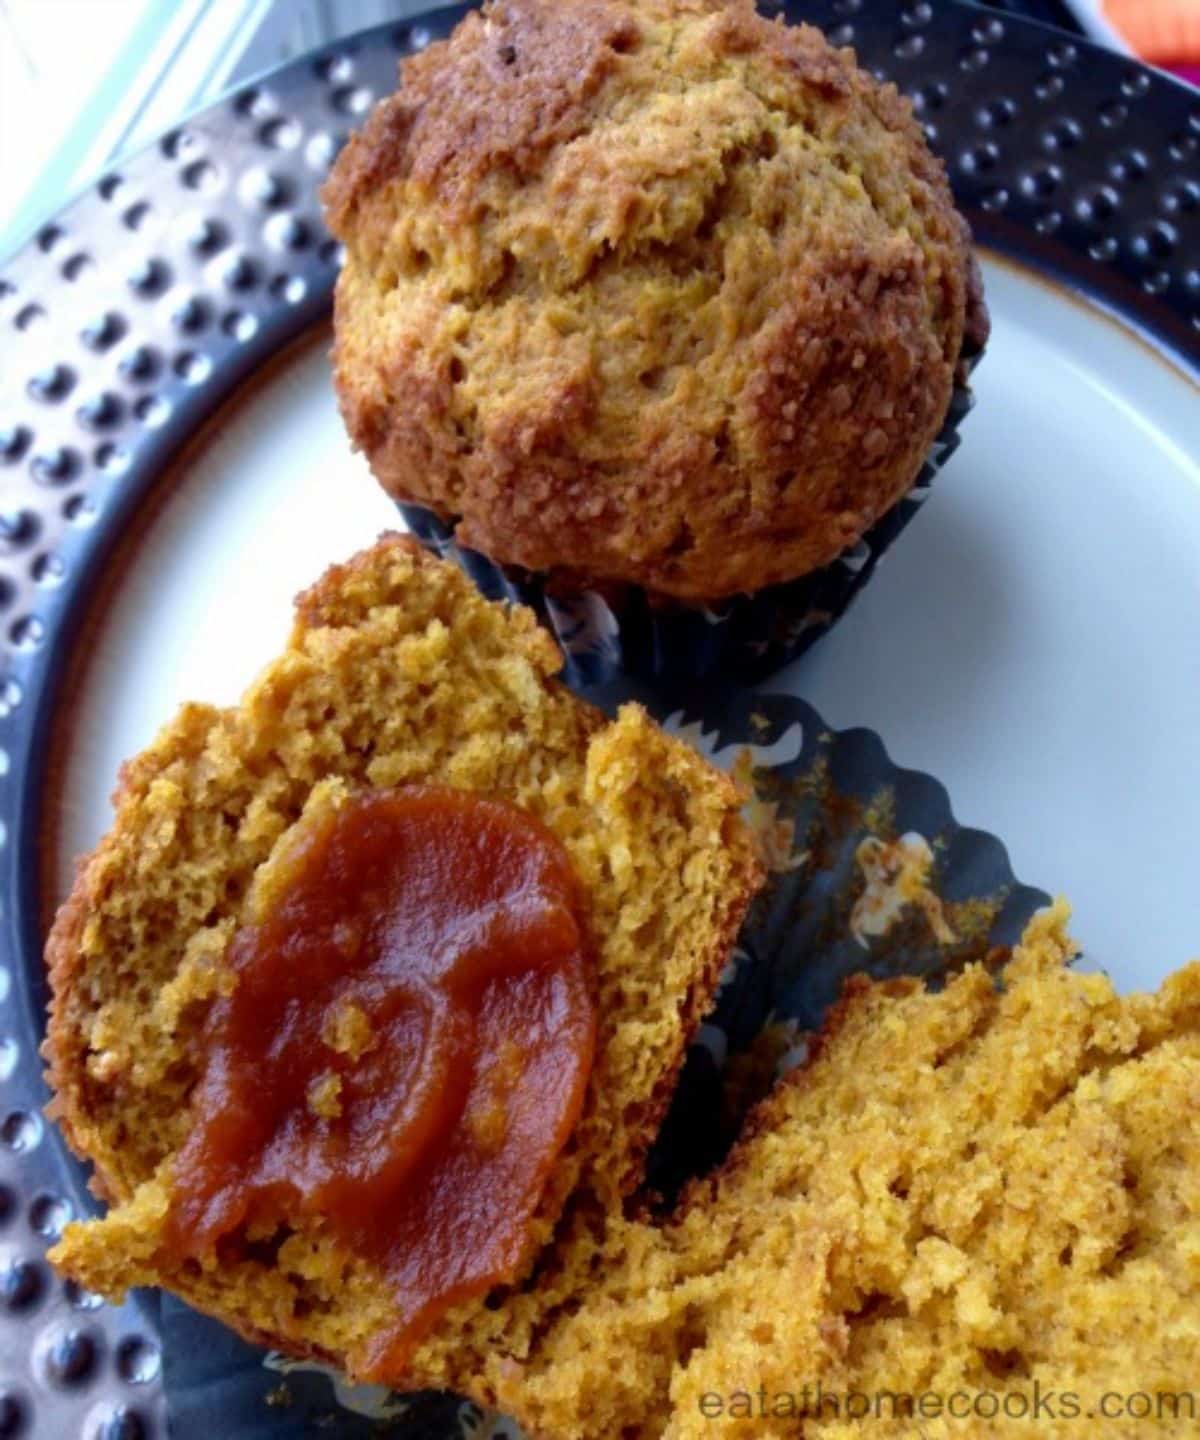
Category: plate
[1033,641]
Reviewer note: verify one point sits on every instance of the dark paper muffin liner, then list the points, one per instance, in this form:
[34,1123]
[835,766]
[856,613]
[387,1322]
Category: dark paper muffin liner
[838,821]
[625,631]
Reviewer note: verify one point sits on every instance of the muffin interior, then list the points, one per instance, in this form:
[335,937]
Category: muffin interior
[397,672]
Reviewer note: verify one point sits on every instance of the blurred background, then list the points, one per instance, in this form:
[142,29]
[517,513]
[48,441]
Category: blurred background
[84,81]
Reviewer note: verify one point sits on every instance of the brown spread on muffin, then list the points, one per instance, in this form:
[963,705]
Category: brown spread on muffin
[659,292]
[398,674]
[400,1047]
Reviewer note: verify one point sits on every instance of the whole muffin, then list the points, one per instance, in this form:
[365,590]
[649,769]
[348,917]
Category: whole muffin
[658,292]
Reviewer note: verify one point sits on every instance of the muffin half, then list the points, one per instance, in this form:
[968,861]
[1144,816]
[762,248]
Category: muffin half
[228,1001]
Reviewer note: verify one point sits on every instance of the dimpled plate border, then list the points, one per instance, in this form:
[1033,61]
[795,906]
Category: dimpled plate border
[127,319]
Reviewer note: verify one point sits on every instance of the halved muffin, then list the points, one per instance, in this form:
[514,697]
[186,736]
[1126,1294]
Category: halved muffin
[397,675]
[973,1212]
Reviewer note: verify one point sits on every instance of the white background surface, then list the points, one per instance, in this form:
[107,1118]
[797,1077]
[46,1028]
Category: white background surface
[1033,641]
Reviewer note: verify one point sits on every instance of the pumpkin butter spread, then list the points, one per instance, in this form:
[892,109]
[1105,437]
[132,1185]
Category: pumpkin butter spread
[381,979]
[403,1048]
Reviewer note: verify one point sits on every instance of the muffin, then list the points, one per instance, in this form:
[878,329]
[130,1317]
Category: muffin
[398,677]
[660,308]
[972,1213]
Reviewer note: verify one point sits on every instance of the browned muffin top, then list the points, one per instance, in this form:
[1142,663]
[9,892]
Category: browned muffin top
[659,292]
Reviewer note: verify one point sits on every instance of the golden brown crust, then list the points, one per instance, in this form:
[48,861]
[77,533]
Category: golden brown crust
[63,1048]
[662,293]
[523,83]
